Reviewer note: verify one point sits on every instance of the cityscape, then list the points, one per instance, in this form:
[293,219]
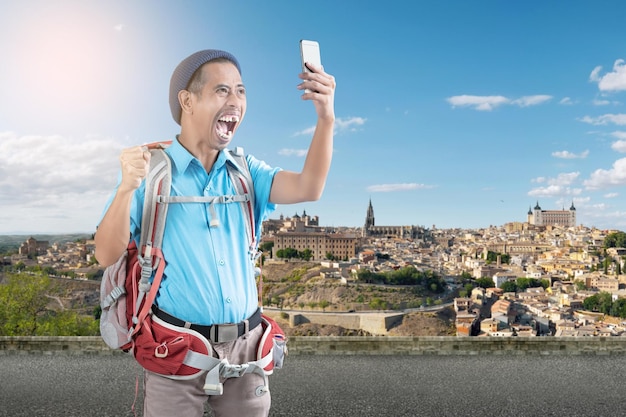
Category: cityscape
[532,278]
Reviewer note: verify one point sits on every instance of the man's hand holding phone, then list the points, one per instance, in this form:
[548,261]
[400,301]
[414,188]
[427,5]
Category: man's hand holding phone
[318,86]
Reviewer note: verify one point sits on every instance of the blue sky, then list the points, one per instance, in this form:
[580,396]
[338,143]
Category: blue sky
[449,113]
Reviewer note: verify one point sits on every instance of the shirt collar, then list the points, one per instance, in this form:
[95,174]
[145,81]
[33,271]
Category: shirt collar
[181,158]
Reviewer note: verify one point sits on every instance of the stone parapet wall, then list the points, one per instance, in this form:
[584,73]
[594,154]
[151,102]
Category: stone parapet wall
[357,345]
[373,323]
[452,345]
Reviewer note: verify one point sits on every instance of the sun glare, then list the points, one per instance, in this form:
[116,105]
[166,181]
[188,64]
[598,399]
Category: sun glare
[63,60]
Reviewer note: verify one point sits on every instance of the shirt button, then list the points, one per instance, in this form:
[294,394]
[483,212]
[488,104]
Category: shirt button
[222,262]
[228,300]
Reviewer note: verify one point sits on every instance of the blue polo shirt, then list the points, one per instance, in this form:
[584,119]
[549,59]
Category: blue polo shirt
[209,275]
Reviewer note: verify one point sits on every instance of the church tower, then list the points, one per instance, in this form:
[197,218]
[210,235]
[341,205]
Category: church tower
[537,215]
[369,219]
[572,215]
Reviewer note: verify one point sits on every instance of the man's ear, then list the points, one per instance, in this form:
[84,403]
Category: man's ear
[184,98]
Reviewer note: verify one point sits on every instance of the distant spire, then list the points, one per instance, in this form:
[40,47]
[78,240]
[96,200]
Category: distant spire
[369,218]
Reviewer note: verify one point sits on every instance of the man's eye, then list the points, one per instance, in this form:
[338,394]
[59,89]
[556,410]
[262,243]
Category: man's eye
[222,91]
[241,92]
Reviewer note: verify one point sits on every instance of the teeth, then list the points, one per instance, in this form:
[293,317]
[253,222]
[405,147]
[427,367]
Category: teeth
[230,119]
[226,135]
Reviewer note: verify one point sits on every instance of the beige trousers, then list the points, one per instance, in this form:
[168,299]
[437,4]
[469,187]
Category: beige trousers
[165,397]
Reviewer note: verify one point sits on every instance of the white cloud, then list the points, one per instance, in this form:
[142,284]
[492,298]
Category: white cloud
[570,155]
[554,191]
[598,102]
[594,76]
[306,132]
[482,103]
[565,178]
[385,188]
[603,178]
[556,187]
[611,195]
[118,27]
[566,101]
[293,152]
[617,119]
[611,81]
[613,219]
[619,146]
[55,182]
[350,124]
[527,101]
[488,103]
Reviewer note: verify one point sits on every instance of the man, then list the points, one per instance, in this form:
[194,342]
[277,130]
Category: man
[209,276]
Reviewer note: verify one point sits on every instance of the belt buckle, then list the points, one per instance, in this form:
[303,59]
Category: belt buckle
[221,333]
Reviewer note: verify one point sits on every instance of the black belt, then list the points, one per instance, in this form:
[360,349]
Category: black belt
[216,333]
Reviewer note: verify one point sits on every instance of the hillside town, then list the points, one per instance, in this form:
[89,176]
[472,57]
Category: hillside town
[568,260]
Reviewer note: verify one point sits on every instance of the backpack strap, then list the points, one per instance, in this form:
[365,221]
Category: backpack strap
[242,180]
[150,256]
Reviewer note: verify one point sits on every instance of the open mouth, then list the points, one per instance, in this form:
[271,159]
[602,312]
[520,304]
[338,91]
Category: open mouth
[226,126]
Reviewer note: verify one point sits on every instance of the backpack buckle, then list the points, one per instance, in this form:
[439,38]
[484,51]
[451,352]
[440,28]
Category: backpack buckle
[220,333]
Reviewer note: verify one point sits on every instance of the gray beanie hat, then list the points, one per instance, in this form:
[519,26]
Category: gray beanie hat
[185,70]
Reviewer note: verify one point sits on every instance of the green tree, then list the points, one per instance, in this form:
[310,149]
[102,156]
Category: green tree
[378,304]
[69,323]
[605,302]
[287,253]
[618,309]
[306,254]
[24,310]
[600,302]
[23,304]
[466,276]
[523,283]
[367,276]
[485,282]
[266,247]
[493,257]
[509,286]
[591,303]
[615,240]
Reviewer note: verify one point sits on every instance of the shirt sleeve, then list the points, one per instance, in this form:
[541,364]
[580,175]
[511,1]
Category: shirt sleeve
[135,208]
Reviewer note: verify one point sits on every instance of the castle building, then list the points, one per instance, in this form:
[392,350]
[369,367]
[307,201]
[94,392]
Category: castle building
[33,246]
[565,218]
[303,232]
[339,245]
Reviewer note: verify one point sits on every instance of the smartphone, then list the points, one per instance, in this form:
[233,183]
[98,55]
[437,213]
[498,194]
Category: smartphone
[310,52]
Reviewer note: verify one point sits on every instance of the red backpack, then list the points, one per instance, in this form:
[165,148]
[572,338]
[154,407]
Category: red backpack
[127,295]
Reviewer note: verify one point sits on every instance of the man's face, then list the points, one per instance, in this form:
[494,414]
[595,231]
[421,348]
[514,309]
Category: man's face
[219,109]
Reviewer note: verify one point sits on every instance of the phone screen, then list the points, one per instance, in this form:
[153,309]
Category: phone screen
[310,52]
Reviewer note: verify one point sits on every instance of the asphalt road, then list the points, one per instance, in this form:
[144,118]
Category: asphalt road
[342,386]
